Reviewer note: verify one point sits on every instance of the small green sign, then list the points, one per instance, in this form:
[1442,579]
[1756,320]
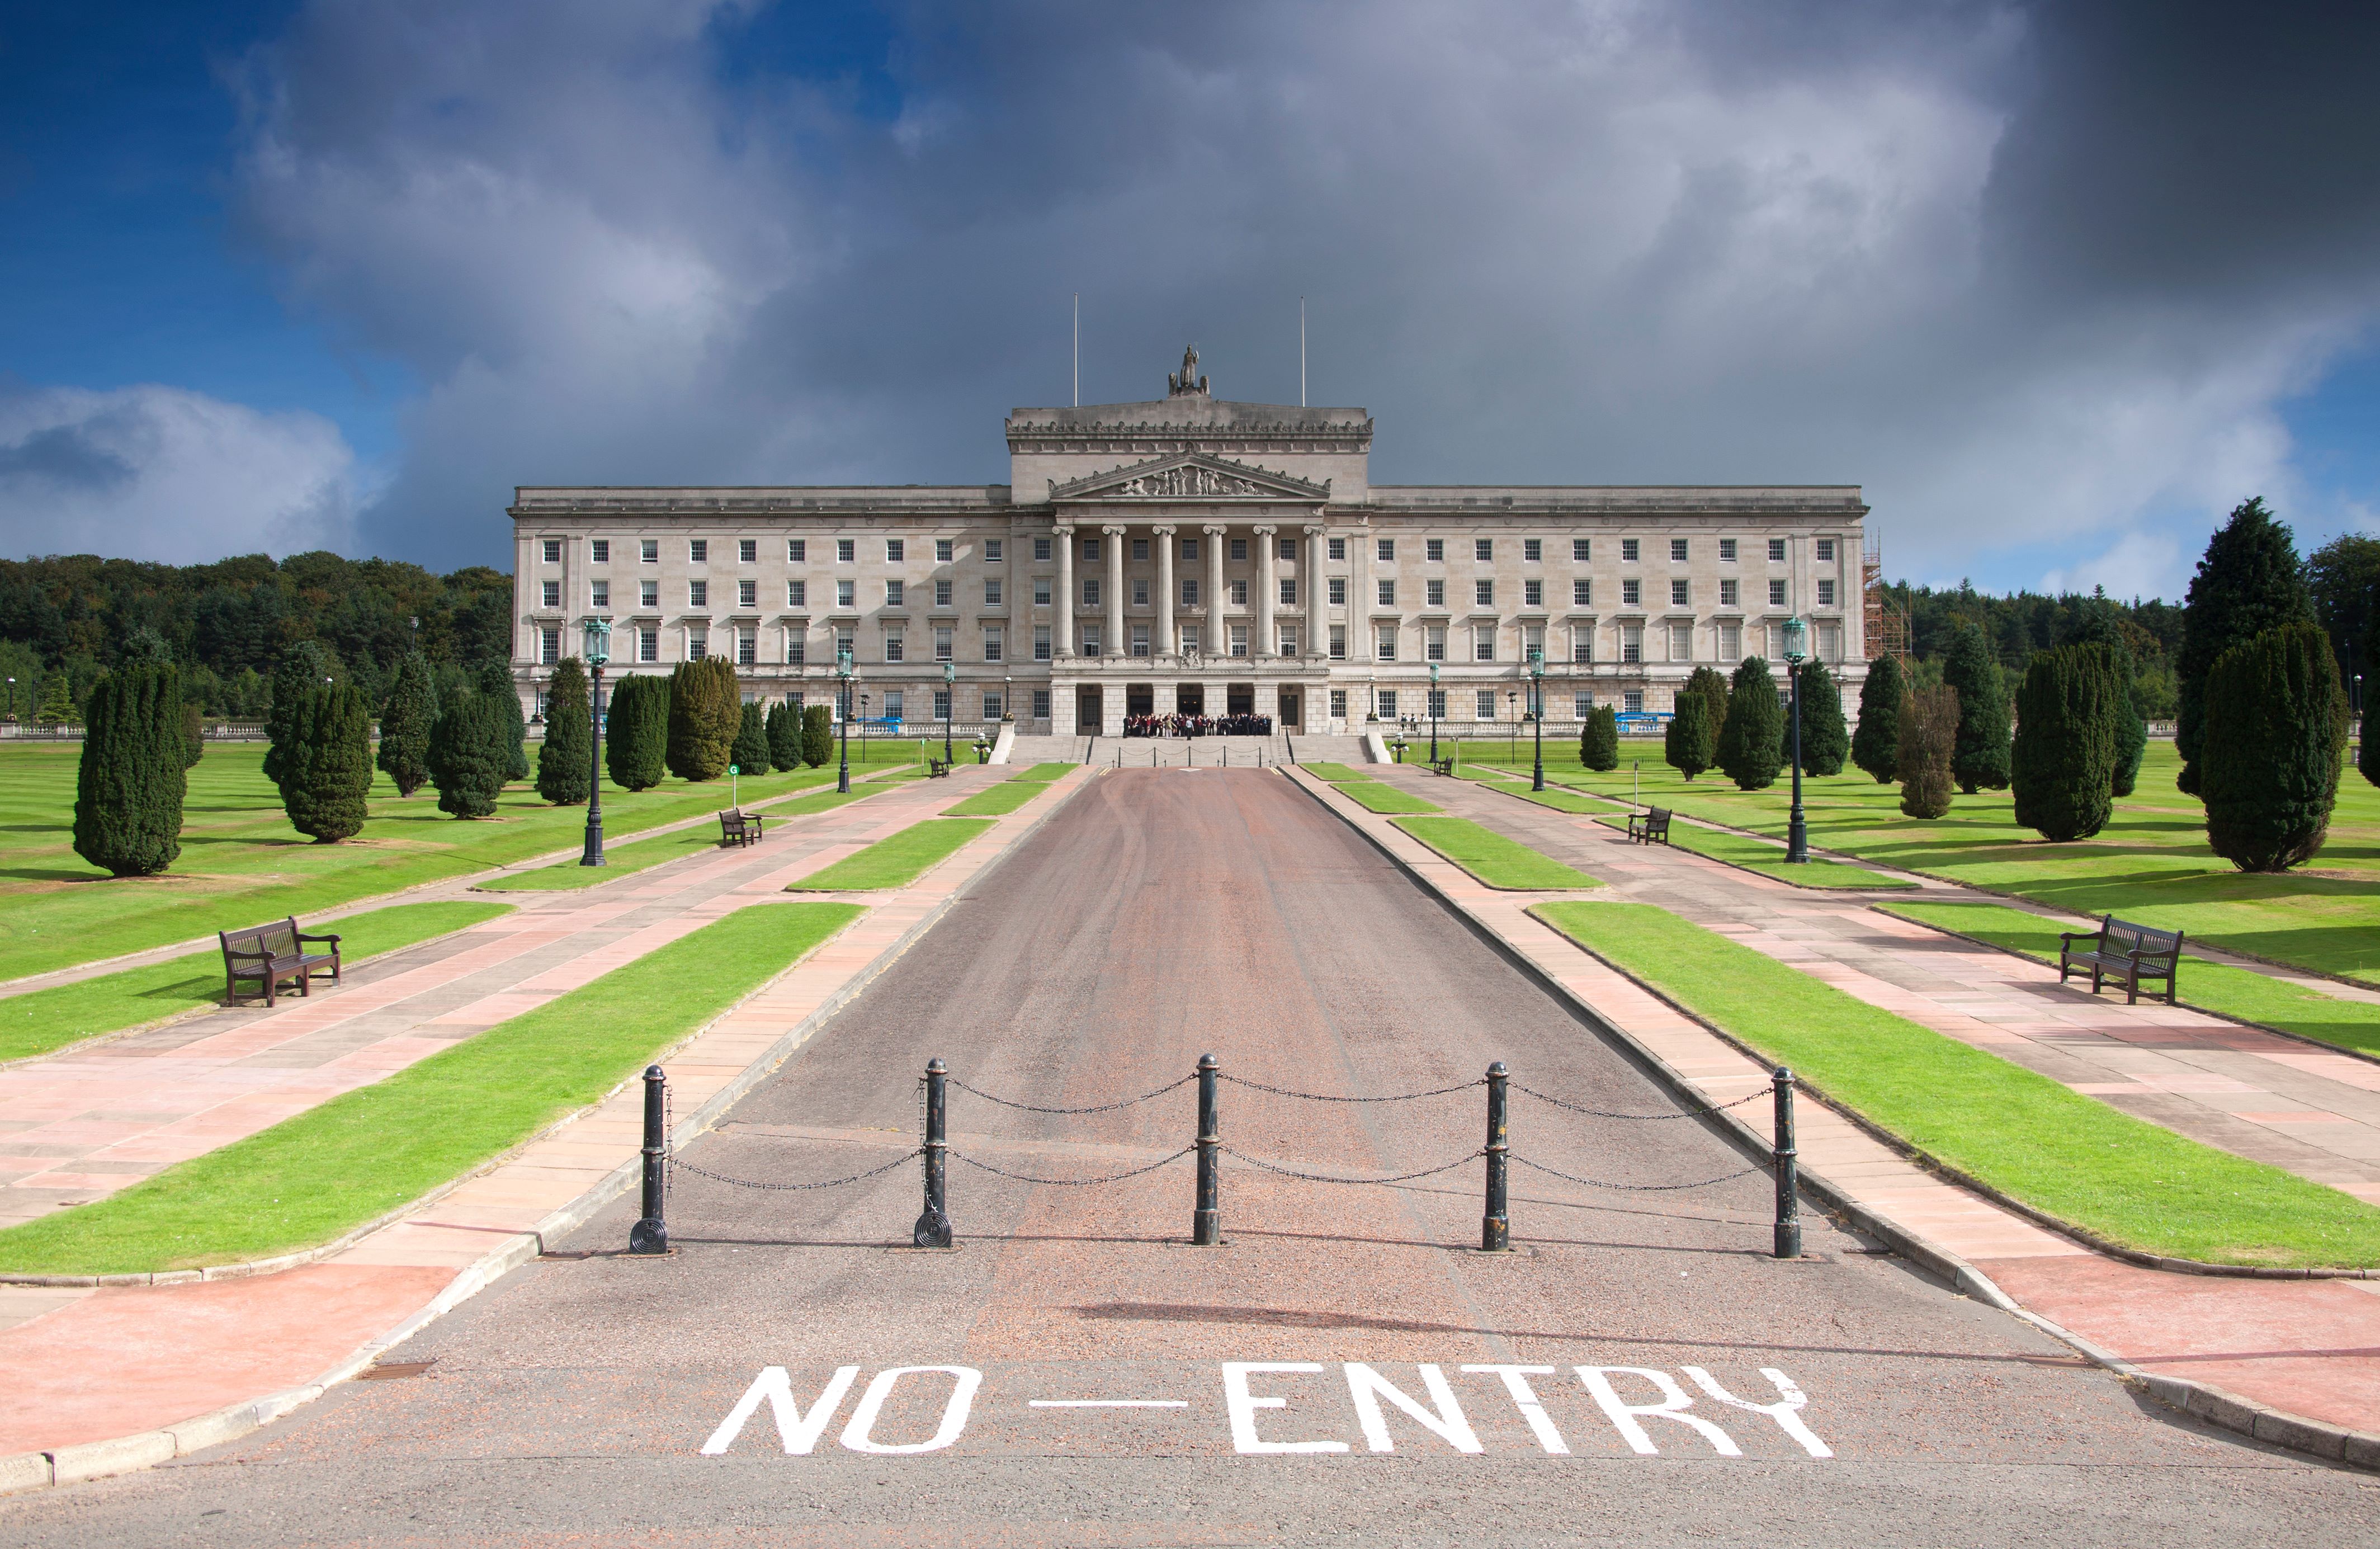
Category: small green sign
[733,769]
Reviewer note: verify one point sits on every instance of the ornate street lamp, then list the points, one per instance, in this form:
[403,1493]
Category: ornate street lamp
[950,695]
[598,646]
[1537,692]
[1797,651]
[843,714]
[1433,712]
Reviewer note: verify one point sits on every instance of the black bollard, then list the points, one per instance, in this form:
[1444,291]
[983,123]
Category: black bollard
[1207,1219]
[650,1234]
[1496,1225]
[1789,1185]
[933,1229]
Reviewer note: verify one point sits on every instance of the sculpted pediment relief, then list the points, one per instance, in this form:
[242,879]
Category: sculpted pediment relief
[1191,476]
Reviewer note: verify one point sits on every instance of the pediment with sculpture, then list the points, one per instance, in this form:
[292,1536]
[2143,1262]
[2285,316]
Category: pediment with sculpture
[1192,476]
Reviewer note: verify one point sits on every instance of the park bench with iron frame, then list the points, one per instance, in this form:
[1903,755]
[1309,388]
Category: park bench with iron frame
[273,954]
[2122,950]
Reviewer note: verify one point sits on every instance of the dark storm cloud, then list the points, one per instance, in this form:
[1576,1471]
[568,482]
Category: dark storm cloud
[64,454]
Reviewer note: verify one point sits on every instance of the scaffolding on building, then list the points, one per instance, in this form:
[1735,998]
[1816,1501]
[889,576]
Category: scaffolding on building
[1885,626]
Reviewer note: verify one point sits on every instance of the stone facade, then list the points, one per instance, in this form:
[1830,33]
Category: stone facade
[1194,554]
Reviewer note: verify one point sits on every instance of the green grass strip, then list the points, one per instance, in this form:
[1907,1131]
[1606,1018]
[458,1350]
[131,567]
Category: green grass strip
[1378,796]
[308,1179]
[995,801]
[1721,844]
[1334,774]
[895,862]
[2068,1155]
[47,1019]
[2214,986]
[1041,772]
[627,860]
[1492,858]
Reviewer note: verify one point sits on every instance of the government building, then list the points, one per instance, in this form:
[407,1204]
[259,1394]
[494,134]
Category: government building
[1193,556]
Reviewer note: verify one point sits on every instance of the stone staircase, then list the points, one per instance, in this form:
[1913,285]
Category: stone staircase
[1172,753]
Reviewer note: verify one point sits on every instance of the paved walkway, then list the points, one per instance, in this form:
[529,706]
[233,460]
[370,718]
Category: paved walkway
[85,1122]
[2314,1111]
[2308,1347]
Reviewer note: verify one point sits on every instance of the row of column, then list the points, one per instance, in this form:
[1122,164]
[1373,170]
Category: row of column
[1164,642]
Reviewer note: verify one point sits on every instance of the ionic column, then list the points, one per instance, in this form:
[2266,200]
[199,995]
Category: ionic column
[1164,644]
[1114,537]
[1264,644]
[1062,642]
[1218,638]
[1309,575]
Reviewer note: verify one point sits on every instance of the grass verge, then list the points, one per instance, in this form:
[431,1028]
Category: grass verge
[997,800]
[627,860]
[2070,1156]
[1492,858]
[1721,844]
[1334,774]
[48,1020]
[2214,986]
[1041,772]
[895,862]
[311,1179]
[1379,797]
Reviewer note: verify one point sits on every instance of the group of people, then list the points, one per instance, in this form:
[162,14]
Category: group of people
[1198,726]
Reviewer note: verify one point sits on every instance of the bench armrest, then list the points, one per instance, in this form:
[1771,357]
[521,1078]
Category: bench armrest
[2064,936]
[308,936]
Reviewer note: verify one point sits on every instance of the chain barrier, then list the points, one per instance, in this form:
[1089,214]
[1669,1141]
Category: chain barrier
[1326,1178]
[795,1188]
[1102,1108]
[1069,1182]
[1681,1113]
[1333,1097]
[1635,1187]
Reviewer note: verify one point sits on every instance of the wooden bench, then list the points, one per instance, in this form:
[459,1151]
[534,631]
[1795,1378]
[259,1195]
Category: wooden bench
[2119,949]
[1649,825]
[739,827]
[1442,766]
[937,768]
[272,955]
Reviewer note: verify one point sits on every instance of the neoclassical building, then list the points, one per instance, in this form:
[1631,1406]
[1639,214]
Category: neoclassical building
[1193,554]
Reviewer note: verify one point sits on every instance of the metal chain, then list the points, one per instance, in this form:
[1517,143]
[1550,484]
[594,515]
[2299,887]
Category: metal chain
[1635,1187]
[1681,1113]
[1103,1107]
[1071,1182]
[829,1183]
[1333,1098]
[1326,1178]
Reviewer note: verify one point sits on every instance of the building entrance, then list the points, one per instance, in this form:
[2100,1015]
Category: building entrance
[1291,704]
[1239,698]
[1190,698]
[1088,714]
[1139,699]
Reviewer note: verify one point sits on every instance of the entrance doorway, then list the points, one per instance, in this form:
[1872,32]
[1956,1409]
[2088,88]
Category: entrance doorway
[1139,699]
[1190,698]
[1239,698]
[1088,714]
[1291,703]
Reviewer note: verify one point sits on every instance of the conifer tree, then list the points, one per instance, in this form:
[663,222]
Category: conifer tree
[470,759]
[1876,747]
[2275,729]
[327,770]
[1981,759]
[818,735]
[2131,727]
[2062,763]
[635,732]
[405,725]
[563,759]
[1824,739]
[1687,741]
[301,670]
[703,718]
[1927,738]
[749,753]
[1751,746]
[57,706]
[2249,581]
[1598,739]
[2367,756]
[784,727]
[495,681]
[129,787]
[1711,684]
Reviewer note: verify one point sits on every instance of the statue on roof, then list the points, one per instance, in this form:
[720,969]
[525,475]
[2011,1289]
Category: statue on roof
[1189,384]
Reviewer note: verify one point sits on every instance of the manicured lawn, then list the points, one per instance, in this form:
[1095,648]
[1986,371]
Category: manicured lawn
[1380,796]
[1721,844]
[241,862]
[2239,992]
[2071,1157]
[1041,772]
[2150,863]
[1335,774]
[310,1179]
[895,862]
[51,1019]
[627,860]
[1492,858]
[995,801]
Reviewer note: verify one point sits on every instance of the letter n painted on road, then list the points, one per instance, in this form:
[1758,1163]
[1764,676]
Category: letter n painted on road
[1243,1407]
[798,1431]
[1368,1387]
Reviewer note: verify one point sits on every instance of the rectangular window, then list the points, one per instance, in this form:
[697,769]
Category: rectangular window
[1582,593]
[1483,593]
[1433,643]
[942,594]
[1040,703]
[1288,640]
[1140,639]
[1189,591]
[1726,550]
[1776,594]
[1140,591]
[1676,594]
[1681,642]
[1434,550]
[1386,548]
[697,594]
[943,642]
[649,549]
[1338,593]
[1632,643]
[748,550]
[1631,593]
[797,649]
[554,551]
[1533,594]
[697,647]
[1776,550]
[1729,594]
[1730,642]
[1041,591]
[1433,594]
[1483,704]
[1436,699]
[843,643]
[1088,642]
[1288,593]
[549,646]
[1189,548]
[895,648]
[1041,641]
[1628,550]
[600,550]
[995,704]
[599,594]
[1826,594]
[1338,548]
[747,594]
[1239,594]
[1040,548]
[896,594]
[551,593]
[1582,705]
[846,594]
[1677,550]
[1581,550]
[1533,550]
[1581,643]
[991,592]
[747,648]
[1388,594]
[1239,640]
[1826,549]
[896,706]
[1339,703]
[699,549]
[1287,549]
[895,550]
[942,704]
[797,550]
[1140,548]
[1090,548]
[944,549]
[846,550]
[1239,548]
[1090,591]
[1189,640]
[649,645]
[993,548]
[1483,644]
[1388,703]
[1633,702]
[1384,643]
[1483,550]
[649,594]
[1337,642]
[995,643]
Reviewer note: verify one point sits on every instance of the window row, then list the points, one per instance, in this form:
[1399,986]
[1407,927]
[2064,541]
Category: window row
[846,550]
[798,549]
[1487,704]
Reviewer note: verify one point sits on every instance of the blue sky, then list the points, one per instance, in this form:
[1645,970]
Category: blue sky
[2057,292]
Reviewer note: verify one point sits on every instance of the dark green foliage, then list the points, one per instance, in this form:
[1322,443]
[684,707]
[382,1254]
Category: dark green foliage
[1927,737]
[563,761]
[749,753]
[2275,729]
[2367,755]
[1876,747]
[1824,739]
[1751,745]
[2343,579]
[635,730]
[128,789]
[1981,759]
[785,726]
[703,718]
[2248,582]
[57,706]
[1711,684]
[1687,741]
[405,725]
[2104,630]
[301,670]
[194,735]
[2062,765]
[818,735]
[495,680]
[327,773]
[469,758]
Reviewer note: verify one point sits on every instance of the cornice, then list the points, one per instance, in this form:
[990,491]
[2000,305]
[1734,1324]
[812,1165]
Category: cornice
[1271,487]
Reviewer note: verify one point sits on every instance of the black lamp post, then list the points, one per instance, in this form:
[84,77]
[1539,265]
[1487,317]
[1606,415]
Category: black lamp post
[1433,712]
[843,715]
[598,645]
[1797,651]
[950,695]
[1537,692]
[1512,728]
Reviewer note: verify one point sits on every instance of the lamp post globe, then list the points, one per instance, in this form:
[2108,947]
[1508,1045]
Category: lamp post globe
[596,643]
[1797,651]
[842,719]
[950,693]
[1537,714]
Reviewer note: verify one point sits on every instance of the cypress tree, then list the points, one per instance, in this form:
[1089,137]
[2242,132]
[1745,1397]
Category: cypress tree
[2062,764]
[1687,741]
[1824,739]
[750,752]
[635,732]
[405,725]
[1598,739]
[299,671]
[2249,581]
[563,759]
[1711,684]
[327,773]
[703,718]
[2276,726]
[495,681]
[1751,745]
[1927,738]
[194,735]
[1981,759]
[784,727]
[2131,727]
[818,735]
[129,787]
[1876,747]
[469,758]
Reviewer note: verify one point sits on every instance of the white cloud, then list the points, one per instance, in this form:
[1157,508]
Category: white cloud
[158,473]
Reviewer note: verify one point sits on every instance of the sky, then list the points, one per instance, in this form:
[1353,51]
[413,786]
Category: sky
[2058,285]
